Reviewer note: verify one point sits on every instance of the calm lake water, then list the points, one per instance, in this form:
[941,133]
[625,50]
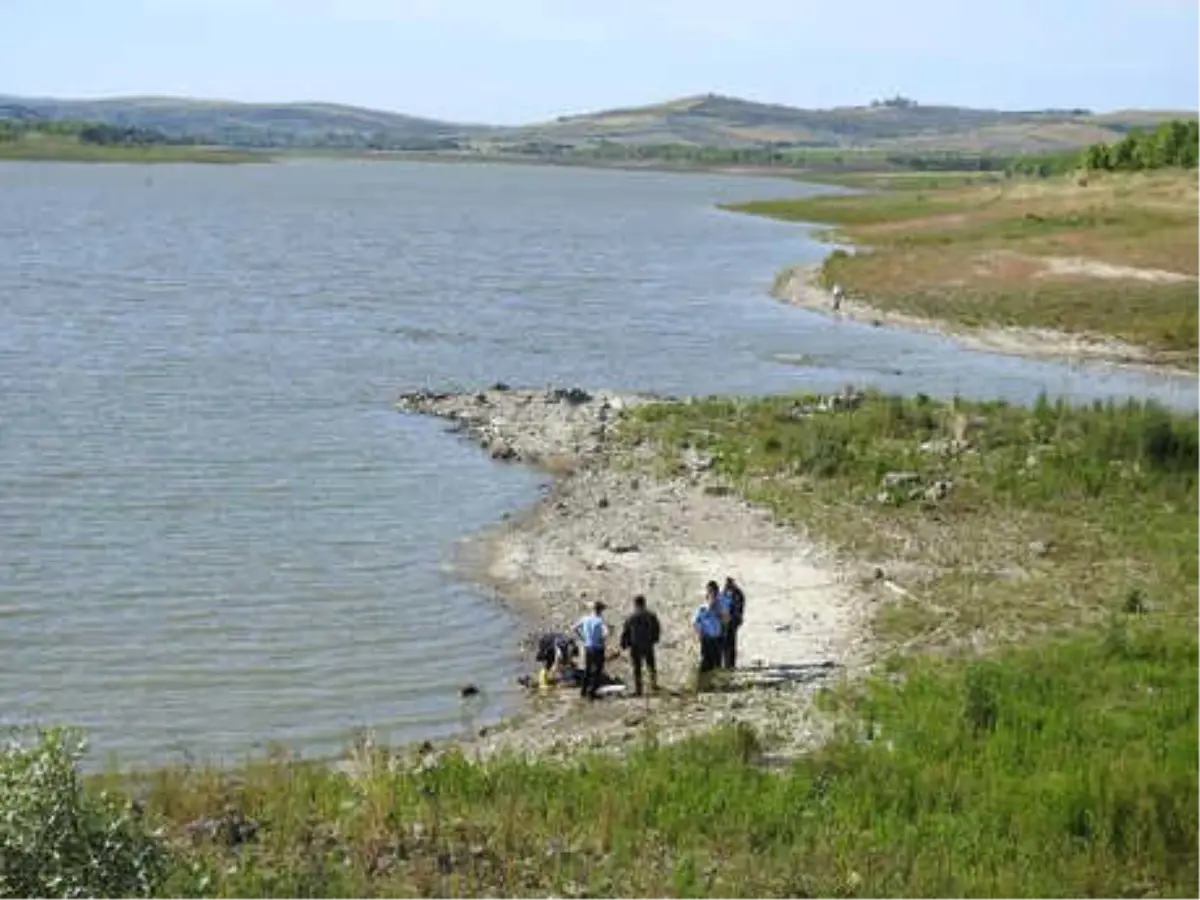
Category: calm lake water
[215,531]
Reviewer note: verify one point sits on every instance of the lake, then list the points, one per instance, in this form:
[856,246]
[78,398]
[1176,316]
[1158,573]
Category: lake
[217,533]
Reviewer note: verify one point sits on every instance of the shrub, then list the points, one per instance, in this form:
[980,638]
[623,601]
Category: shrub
[58,840]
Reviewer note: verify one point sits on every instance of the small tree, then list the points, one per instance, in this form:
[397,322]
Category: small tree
[58,839]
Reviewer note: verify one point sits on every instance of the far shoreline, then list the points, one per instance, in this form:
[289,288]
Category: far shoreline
[799,286]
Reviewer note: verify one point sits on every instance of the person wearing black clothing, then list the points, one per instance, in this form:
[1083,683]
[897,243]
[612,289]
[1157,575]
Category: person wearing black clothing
[555,648]
[639,636]
[735,602]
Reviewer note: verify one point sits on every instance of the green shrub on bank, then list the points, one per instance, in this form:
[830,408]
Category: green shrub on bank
[58,839]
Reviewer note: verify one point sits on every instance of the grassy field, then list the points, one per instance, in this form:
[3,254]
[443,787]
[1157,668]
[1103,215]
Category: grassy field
[1045,744]
[993,253]
[54,148]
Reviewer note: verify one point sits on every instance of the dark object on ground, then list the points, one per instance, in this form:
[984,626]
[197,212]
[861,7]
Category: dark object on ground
[575,396]
[468,690]
[233,829]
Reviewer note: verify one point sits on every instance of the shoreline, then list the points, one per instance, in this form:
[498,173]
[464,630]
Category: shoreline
[611,527]
[798,286]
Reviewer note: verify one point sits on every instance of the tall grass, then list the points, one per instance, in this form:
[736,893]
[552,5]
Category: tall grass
[1069,770]
[1050,518]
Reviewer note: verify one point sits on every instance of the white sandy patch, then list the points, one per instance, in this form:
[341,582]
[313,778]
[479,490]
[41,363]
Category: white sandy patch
[1090,268]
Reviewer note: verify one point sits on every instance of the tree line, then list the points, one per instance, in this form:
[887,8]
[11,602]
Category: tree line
[96,133]
[774,155]
[1173,144]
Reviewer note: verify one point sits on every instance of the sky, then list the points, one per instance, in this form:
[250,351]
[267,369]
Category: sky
[514,61]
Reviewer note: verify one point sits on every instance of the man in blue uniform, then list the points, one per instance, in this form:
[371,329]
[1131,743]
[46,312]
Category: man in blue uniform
[593,633]
[709,625]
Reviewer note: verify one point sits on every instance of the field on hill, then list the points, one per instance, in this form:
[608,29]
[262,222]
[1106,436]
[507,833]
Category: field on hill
[711,121]
[1109,255]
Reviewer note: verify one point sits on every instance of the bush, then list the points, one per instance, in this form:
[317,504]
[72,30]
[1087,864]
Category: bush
[58,840]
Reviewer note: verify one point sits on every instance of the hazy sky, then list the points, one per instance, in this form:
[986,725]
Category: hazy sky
[521,60]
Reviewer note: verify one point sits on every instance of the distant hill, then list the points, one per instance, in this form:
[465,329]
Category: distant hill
[717,121]
[245,124]
[709,121]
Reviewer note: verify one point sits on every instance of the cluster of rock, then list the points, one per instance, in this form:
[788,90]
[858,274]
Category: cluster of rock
[523,425]
[901,487]
[850,398]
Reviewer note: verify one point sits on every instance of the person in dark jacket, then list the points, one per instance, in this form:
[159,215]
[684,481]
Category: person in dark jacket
[556,650]
[639,637]
[734,602]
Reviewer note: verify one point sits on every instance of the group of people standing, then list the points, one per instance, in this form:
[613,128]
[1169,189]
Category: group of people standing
[716,624]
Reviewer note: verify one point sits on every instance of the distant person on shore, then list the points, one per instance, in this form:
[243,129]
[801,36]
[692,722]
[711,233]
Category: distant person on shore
[593,633]
[838,295]
[639,636]
[710,626]
[733,603]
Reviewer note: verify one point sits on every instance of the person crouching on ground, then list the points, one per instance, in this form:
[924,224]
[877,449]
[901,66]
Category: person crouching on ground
[557,653]
[639,636]
[709,629]
[733,602]
[593,633]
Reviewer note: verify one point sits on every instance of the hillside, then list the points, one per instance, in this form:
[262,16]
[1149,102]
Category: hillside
[241,124]
[717,121]
[709,121]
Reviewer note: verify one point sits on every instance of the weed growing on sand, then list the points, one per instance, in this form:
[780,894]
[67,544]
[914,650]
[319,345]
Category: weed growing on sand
[984,254]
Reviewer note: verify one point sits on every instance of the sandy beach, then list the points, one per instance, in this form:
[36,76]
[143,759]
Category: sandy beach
[611,528]
[800,287]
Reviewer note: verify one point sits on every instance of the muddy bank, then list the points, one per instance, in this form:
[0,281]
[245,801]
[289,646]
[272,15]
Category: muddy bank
[799,286]
[615,525]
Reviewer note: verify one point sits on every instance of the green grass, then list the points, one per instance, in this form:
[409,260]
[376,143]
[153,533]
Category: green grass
[1069,770]
[67,149]
[977,255]
[1045,744]
[890,180]
[1111,490]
